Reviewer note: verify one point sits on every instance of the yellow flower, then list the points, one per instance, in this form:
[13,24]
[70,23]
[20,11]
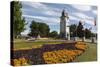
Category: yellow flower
[16,62]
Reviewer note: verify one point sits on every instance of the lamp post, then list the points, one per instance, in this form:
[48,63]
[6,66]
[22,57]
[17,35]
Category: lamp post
[94,33]
[75,37]
[84,33]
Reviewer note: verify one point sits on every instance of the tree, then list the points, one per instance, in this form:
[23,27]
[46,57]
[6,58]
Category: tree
[34,30]
[44,29]
[53,34]
[80,31]
[18,20]
[38,28]
[88,33]
[73,30]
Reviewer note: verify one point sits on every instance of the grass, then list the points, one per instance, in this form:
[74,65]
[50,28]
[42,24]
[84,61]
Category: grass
[29,44]
[90,54]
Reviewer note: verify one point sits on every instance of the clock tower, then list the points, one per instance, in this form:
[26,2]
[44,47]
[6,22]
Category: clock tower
[64,26]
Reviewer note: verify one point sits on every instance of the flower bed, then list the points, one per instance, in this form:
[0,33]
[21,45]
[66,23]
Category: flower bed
[48,54]
[81,45]
[20,61]
[60,56]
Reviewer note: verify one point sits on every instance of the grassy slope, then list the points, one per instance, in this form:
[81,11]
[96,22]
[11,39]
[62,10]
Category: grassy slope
[90,54]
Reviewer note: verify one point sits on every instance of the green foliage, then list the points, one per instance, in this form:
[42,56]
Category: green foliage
[80,31]
[53,34]
[88,33]
[37,28]
[44,29]
[18,20]
[73,30]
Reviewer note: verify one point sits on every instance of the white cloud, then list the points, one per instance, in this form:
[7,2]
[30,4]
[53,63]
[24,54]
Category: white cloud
[72,17]
[35,5]
[52,13]
[83,17]
[95,12]
[41,8]
[82,7]
[25,32]
[48,20]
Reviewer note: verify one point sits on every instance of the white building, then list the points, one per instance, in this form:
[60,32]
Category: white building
[64,26]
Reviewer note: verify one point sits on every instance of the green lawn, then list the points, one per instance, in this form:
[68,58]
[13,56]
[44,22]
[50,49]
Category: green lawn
[29,44]
[90,54]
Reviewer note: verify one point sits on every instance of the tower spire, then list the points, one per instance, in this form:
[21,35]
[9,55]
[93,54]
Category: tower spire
[63,13]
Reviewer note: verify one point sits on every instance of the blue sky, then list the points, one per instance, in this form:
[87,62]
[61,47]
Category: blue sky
[50,13]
